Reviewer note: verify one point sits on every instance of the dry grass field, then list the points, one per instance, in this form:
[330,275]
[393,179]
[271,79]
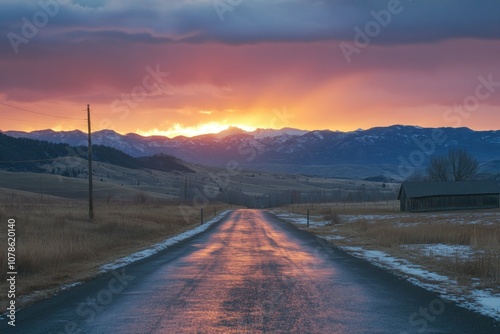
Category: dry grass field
[463,245]
[134,209]
[56,243]
[119,183]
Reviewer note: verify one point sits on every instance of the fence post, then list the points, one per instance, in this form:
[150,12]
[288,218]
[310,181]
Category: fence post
[307,217]
[201,216]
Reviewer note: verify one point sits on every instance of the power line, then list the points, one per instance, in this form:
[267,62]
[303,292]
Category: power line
[93,113]
[40,113]
[41,160]
[94,128]
[20,120]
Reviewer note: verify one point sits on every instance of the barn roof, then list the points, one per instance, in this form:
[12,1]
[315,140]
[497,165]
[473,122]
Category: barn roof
[425,189]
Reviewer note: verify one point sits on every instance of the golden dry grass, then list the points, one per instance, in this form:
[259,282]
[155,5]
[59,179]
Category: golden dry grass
[377,226]
[344,208]
[484,239]
[56,243]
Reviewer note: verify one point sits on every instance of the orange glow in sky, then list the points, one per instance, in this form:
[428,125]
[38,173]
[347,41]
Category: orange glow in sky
[178,76]
[192,131]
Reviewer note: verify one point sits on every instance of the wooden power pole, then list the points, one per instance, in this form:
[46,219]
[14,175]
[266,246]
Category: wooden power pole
[91,196]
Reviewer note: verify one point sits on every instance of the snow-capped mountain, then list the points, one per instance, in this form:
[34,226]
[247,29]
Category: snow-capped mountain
[263,133]
[371,151]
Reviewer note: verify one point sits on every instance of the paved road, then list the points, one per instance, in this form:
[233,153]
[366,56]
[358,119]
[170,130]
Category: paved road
[251,273]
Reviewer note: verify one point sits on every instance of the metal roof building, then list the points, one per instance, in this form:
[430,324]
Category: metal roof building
[434,196]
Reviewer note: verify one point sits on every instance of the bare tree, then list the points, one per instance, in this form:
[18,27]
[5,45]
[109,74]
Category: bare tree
[457,165]
[463,165]
[439,169]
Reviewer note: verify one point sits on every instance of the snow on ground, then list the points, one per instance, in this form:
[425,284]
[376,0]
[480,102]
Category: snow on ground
[162,245]
[488,302]
[332,237]
[69,286]
[462,252]
[37,295]
[300,219]
[135,256]
[386,261]
[400,224]
[483,218]
[472,222]
[355,218]
[482,301]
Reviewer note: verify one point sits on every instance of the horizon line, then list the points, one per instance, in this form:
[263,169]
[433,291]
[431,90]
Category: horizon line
[250,132]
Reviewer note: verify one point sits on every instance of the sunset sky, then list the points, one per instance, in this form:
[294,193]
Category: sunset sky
[195,66]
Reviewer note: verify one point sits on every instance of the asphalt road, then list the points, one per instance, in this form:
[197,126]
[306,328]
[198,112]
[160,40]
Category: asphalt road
[250,273]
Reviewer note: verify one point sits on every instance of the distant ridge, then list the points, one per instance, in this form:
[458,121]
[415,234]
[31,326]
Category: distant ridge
[357,154]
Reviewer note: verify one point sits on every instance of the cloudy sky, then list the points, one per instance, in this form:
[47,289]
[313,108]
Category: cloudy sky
[193,66]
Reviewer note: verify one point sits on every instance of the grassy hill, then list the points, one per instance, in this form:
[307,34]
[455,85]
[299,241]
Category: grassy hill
[29,155]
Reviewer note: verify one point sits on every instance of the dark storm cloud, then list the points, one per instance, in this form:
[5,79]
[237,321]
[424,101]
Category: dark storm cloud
[256,21]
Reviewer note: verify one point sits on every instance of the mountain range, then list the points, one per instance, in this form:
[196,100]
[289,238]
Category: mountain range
[356,154]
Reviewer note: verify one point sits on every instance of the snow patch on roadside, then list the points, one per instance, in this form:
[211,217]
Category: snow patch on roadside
[69,286]
[332,237]
[355,218]
[462,252]
[476,300]
[129,259]
[300,219]
[39,295]
[482,301]
[386,261]
[162,245]
[488,302]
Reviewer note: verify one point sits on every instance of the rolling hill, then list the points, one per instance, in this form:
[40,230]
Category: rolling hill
[30,155]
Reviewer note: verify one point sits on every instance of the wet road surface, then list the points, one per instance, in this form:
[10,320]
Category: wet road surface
[250,273]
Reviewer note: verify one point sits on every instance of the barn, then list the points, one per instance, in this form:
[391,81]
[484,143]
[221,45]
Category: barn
[435,196]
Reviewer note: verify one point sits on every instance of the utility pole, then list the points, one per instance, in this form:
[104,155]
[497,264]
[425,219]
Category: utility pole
[91,196]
